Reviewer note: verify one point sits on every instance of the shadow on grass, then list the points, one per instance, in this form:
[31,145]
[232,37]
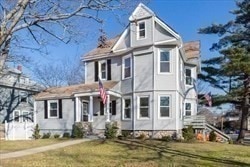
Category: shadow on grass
[161,149]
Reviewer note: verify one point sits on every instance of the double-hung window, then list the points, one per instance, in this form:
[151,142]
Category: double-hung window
[164,61]
[127,109]
[187,109]
[143,107]
[16,116]
[141,30]
[188,77]
[164,106]
[25,116]
[53,109]
[126,67]
[103,70]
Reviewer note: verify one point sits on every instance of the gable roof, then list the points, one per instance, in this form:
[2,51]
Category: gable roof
[69,91]
[102,50]
[140,12]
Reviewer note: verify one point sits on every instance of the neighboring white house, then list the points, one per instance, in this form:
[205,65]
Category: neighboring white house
[149,75]
[16,103]
[16,92]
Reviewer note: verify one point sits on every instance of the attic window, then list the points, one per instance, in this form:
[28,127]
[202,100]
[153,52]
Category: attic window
[141,30]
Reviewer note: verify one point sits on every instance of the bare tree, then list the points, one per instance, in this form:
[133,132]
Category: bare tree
[66,72]
[43,19]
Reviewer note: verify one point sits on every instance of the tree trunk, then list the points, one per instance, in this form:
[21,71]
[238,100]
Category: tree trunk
[245,110]
[4,53]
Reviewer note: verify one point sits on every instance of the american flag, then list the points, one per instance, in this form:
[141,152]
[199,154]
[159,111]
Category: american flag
[208,97]
[103,93]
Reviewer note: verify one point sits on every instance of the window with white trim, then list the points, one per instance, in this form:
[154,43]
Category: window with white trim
[25,115]
[126,67]
[143,107]
[141,30]
[164,61]
[164,106]
[53,109]
[187,109]
[103,70]
[23,97]
[16,116]
[127,109]
[188,77]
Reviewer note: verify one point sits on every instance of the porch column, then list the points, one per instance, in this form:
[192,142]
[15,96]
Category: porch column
[108,109]
[77,109]
[91,108]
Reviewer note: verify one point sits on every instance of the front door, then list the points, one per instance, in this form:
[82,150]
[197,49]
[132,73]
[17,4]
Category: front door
[84,112]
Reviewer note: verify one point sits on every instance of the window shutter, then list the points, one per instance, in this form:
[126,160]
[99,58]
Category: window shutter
[101,108]
[45,109]
[109,69]
[60,108]
[113,107]
[96,71]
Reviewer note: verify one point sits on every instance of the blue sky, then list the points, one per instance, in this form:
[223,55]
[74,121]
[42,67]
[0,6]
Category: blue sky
[184,16]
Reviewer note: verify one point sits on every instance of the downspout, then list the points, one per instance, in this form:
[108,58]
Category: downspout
[177,119]
[183,98]
[153,83]
[133,94]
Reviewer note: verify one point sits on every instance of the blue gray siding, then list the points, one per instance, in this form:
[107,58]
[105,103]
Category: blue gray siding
[56,125]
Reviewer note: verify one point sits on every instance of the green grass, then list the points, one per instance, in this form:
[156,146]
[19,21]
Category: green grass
[10,146]
[138,153]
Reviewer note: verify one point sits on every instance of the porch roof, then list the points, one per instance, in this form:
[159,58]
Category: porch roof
[69,91]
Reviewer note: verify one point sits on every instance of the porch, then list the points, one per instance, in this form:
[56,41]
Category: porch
[89,108]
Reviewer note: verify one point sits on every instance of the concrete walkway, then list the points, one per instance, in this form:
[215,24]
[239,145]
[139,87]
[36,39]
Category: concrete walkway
[40,149]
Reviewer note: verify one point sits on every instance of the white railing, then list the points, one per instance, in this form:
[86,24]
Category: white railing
[197,121]
[18,130]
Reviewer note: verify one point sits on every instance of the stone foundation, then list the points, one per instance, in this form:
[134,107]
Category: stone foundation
[157,134]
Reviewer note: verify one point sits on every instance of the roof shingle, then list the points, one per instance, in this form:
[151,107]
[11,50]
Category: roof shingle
[192,49]
[101,51]
[69,91]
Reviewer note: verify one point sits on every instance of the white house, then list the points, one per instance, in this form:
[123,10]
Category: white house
[148,73]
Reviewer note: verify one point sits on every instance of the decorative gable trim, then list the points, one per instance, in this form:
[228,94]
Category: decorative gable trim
[139,12]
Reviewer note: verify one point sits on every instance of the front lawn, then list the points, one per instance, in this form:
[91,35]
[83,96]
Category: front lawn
[15,145]
[139,153]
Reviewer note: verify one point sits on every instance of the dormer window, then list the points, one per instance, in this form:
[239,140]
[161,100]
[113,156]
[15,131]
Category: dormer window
[141,30]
